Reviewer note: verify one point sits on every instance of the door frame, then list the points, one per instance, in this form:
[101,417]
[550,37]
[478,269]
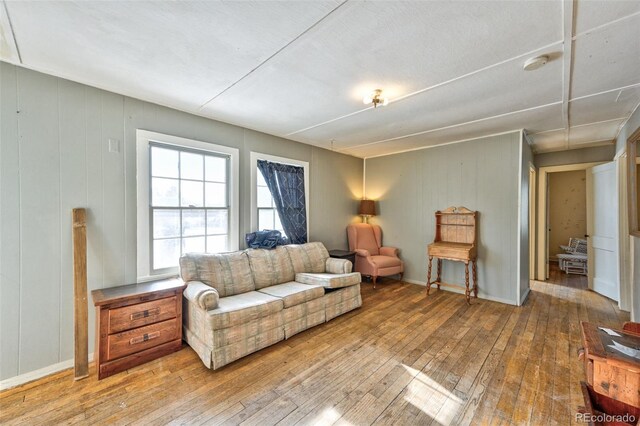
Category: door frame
[542,240]
[533,189]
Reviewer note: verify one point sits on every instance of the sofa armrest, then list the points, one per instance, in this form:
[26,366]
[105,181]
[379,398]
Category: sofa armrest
[362,253]
[389,251]
[338,266]
[202,295]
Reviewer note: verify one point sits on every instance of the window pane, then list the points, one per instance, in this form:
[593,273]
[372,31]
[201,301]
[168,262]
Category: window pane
[217,244]
[164,162]
[191,193]
[277,225]
[265,219]
[217,222]
[164,192]
[260,179]
[215,169]
[264,197]
[192,222]
[166,223]
[166,253]
[191,165]
[193,245]
[216,194]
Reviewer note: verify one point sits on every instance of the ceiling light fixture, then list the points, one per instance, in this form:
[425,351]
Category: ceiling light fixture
[535,63]
[375,98]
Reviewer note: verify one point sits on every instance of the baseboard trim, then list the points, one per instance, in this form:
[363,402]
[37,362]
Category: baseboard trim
[458,291]
[21,379]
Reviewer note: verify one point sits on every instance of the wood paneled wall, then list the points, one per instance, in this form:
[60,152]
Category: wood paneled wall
[482,175]
[54,155]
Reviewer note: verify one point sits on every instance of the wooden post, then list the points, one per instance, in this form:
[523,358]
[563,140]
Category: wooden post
[80,315]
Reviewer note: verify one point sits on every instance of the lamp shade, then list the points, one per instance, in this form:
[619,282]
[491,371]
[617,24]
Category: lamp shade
[367,208]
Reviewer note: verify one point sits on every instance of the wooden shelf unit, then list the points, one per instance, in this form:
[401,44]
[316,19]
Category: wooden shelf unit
[455,240]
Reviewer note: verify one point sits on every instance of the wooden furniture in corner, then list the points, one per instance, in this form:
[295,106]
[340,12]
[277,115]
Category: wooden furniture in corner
[136,323]
[80,308]
[609,371]
[455,240]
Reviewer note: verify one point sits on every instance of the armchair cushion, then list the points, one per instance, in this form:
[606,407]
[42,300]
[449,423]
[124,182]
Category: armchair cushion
[386,261]
[202,295]
[330,280]
[338,266]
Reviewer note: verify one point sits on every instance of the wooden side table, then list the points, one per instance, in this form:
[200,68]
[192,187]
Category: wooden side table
[344,254]
[611,363]
[136,323]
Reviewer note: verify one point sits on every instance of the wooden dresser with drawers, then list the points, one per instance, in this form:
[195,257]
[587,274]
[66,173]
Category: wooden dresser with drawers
[136,323]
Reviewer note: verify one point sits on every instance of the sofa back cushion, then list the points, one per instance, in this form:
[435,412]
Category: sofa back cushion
[270,267]
[310,257]
[228,273]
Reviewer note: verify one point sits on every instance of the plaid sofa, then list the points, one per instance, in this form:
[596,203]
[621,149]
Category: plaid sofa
[240,302]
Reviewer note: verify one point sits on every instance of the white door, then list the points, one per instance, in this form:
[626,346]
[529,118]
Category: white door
[602,230]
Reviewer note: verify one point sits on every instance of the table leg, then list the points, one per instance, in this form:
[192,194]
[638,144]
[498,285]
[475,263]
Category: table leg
[429,275]
[475,279]
[439,273]
[466,282]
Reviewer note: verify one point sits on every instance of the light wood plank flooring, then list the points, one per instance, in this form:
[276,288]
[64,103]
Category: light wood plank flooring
[400,359]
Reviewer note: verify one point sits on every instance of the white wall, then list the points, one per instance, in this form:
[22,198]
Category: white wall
[482,175]
[54,156]
[526,161]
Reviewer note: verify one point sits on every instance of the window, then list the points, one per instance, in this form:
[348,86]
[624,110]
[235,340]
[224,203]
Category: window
[187,198]
[268,217]
[263,210]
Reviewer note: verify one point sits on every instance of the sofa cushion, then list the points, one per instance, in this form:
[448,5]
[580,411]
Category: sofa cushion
[242,308]
[293,293]
[386,261]
[310,257]
[330,280]
[228,273]
[270,267]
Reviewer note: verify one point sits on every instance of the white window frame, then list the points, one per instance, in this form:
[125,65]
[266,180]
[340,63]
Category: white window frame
[143,139]
[253,165]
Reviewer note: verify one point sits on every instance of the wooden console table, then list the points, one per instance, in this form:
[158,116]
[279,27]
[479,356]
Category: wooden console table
[455,240]
[137,323]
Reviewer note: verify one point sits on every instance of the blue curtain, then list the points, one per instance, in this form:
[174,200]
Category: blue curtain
[286,184]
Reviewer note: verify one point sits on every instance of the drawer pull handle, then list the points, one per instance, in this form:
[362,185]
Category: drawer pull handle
[144,314]
[144,338]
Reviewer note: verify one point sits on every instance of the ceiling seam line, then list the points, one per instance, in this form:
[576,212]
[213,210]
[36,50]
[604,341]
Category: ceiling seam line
[457,125]
[442,144]
[435,86]
[604,92]
[13,33]
[274,54]
[625,121]
[606,24]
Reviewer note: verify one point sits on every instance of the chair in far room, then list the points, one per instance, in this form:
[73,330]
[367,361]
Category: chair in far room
[372,258]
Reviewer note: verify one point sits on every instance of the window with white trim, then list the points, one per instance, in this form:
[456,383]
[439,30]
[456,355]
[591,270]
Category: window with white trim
[187,198]
[264,214]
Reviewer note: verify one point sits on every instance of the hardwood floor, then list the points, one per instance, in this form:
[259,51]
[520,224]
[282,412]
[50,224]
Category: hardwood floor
[400,359]
[556,276]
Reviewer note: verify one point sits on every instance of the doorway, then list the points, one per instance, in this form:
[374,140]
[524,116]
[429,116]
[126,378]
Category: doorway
[567,228]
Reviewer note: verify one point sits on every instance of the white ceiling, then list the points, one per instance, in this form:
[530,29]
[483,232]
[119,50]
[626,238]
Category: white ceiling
[452,70]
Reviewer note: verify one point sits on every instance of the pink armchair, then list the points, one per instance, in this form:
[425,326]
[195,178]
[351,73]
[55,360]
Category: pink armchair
[371,258]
